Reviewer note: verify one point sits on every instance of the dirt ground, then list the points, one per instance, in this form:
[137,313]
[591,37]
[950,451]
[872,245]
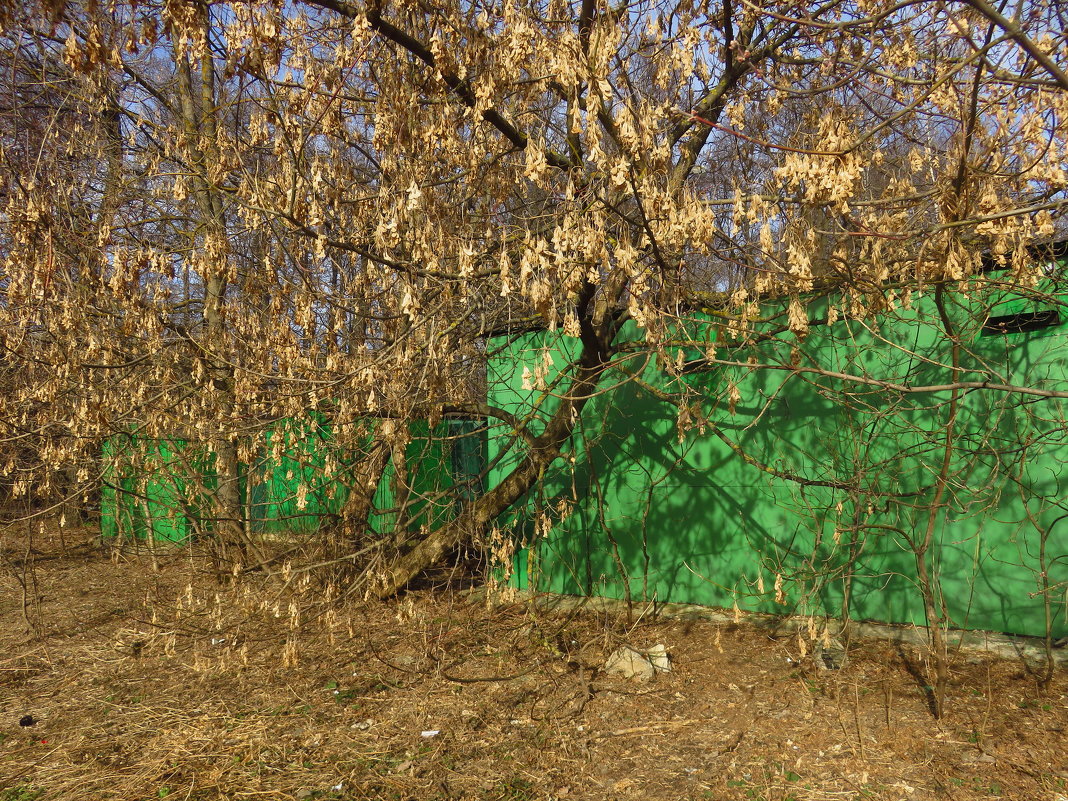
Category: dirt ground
[148,684]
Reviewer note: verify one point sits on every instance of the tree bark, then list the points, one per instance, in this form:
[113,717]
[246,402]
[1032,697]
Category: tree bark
[367,477]
[477,515]
[198,108]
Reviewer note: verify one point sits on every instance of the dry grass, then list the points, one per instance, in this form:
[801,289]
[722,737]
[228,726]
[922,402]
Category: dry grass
[137,697]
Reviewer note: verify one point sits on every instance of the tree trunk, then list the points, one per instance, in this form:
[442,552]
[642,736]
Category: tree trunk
[474,518]
[545,449]
[367,478]
[926,560]
[199,121]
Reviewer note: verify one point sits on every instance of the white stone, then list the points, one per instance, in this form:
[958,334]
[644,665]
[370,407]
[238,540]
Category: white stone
[630,664]
[658,656]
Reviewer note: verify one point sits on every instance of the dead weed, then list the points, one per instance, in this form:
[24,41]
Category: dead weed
[148,685]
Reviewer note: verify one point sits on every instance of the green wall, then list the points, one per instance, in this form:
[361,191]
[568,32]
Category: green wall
[648,515]
[299,479]
[143,491]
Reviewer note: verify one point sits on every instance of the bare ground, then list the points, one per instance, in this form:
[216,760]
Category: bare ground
[147,684]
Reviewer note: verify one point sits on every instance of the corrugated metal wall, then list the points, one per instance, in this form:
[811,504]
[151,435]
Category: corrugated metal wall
[298,481]
[656,516]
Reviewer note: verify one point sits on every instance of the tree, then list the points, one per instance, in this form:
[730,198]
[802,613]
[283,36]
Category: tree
[331,205]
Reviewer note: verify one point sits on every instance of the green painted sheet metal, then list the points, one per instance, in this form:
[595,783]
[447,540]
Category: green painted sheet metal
[297,480]
[442,467]
[649,515]
[146,492]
